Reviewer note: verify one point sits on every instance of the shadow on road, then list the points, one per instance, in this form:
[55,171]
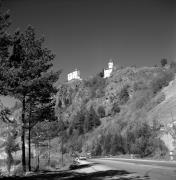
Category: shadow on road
[68,174]
[75,166]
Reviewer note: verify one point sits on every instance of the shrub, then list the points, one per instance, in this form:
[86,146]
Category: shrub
[117,144]
[142,140]
[115,108]
[123,95]
[101,111]
[161,80]
[97,150]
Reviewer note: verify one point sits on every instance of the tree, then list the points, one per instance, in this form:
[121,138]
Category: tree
[42,133]
[79,121]
[40,107]
[174,134]
[116,144]
[161,80]
[163,62]
[5,43]
[92,120]
[107,143]
[4,113]
[142,139]
[27,73]
[171,129]
[10,144]
[8,133]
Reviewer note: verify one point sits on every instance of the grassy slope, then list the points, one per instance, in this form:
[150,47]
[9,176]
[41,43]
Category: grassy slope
[165,112]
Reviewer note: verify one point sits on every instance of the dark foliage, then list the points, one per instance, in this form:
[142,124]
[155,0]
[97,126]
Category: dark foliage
[101,111]
[85,121]
[163,62]
[124,95]
[96,86]
[161,80]
[115,108]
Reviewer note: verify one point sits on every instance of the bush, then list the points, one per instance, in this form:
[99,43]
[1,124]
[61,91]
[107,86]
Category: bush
[142,140]
[97,150]
[161,81]
[123,95]
[160,149]
[115,108]
[117,145]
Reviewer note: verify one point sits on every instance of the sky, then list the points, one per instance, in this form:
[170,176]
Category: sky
[85,34]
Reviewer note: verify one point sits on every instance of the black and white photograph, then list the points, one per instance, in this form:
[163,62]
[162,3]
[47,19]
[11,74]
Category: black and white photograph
[88,89]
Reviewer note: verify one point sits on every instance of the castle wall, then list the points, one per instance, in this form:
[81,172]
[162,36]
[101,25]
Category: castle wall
[74,75]
[107,73]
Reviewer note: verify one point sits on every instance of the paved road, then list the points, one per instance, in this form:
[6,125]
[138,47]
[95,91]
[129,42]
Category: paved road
[110,169]
[154,170]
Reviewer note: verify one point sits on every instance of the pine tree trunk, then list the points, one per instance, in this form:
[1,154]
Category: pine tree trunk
[38,158]
[62,151]
[29,140]
[29,144]
[48,151]
[23,136]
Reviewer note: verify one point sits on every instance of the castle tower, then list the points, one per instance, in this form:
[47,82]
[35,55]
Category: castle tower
[110,64]
[107,72]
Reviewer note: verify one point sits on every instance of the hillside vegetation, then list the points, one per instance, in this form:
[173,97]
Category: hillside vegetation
[119,115]
[115,115]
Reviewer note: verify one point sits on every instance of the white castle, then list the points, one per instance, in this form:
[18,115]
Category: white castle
[74,75]
[107,72]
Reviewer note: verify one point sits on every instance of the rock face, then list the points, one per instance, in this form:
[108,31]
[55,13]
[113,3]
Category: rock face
[165,112]
[168,140]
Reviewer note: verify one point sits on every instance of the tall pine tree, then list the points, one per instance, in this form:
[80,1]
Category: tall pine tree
[27,74]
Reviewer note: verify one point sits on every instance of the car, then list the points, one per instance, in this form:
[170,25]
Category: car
[76,161]
[82,158]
